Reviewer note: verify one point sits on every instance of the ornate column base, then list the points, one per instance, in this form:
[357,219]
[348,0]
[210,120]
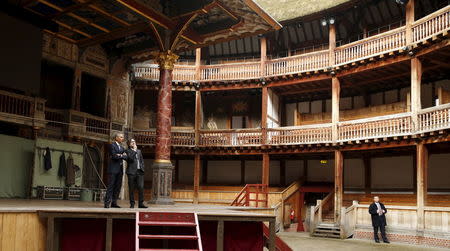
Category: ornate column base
[162,183]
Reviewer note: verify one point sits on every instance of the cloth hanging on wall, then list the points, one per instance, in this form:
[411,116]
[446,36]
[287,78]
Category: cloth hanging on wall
[47,159]
[62,170]
[70,174]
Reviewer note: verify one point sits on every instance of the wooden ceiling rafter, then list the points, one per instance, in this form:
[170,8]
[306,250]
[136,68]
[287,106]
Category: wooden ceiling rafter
[71,9]
[115,34]
[81,19]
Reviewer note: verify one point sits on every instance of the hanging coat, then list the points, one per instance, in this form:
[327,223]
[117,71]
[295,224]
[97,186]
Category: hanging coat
[62,171]
[70,175]
[47,159]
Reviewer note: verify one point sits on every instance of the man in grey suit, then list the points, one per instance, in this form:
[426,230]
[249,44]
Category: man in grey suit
[135,172]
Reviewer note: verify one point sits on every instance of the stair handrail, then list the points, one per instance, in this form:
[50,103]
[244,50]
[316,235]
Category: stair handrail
[280,245]
[237,201]
[348,219]
[315,216]
[197,228]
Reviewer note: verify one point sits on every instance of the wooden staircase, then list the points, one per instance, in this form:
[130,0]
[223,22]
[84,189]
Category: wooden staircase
[159,231]
[252,195]
[328,230]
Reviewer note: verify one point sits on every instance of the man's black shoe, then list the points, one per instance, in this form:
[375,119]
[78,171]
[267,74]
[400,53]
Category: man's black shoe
[115,206]
[386,241]
[131,205]
[377,241]
[142,206]
[106,206]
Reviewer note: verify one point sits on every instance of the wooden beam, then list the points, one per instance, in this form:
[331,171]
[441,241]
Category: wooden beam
[71,9]
[338,184]
[409,21]
[422,177]
[265,169]
[115,34]
[332,44]
[264,102]
[416,79]
[263,50]
[197,167]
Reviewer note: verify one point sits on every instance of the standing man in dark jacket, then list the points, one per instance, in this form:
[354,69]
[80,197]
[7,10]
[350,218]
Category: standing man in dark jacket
[115,171]
[377,212]
[135,173]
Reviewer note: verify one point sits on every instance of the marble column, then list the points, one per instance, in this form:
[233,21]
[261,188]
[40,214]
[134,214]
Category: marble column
[162,167]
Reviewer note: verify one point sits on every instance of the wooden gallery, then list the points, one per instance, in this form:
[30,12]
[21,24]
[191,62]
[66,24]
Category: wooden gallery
[262,125]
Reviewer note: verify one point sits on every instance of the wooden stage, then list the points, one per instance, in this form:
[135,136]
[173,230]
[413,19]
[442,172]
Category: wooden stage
[43,217]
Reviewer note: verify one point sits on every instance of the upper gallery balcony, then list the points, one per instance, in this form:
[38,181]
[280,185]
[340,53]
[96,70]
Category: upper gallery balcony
[400,40]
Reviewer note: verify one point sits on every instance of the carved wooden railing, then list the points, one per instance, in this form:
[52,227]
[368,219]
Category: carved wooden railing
[371,46]
[299,135]
[238,137]
[254,195]
[96,125]
[178,137]
[298,64]
[434,118]
[431,24]
[231,71]
[55,117]
[376,127]
[18,108]
[383,43]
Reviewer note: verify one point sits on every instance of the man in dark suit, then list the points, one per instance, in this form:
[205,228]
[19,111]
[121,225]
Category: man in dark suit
[377,212]
[135,172]
[115,171]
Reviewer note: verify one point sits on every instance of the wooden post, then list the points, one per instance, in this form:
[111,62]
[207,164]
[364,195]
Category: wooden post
[177,172]
[220,234]
[338,183]
[409,20]
[265,169]
[335,96]
[197,166]
[263,41]
[416,79]
[264,102]
[50,233]
[76,88]
[198,60]
[367,174]
[332,44]
[198,116]
[422,177]
[282,172]
[109,232]
[205,171]
[242,172]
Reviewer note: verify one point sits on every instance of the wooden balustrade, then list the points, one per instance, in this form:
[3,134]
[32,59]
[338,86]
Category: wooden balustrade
[178,138]
[434,118]
[299,135]
[297,64]
[232,71]
[55,117]
[371,46]
[377,127]
[241,137]
[97,125]
[147,71]
[183,73]
[431,24]
[16,104]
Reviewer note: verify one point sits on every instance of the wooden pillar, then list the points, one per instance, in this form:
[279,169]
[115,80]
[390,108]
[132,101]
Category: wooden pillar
[220,234]
[416,79]
[263,41]
[162,168]
[198,116]
[282,172]
[242,172]
[76,89]
[272,235]
[409,21]
[332,44]
[265,169]
[198,60]
[264,102]
[335,96]
[338,183]
[422,178]
[177,172]
[109,233]
[367,174]
[197,166]
[50,233]
[204,171]
[305,169]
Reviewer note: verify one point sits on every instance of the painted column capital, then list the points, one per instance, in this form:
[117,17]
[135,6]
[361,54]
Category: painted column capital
[166,59]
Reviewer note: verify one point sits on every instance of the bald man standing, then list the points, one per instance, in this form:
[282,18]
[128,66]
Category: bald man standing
[377,212]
